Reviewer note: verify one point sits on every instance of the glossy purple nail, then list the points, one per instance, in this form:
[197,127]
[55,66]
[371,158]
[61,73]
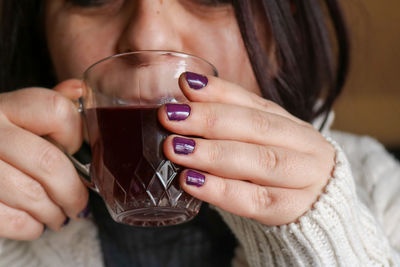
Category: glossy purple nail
[177,112]
[196,81]
[183,145]
[65,222]
[195,178]
[85,212]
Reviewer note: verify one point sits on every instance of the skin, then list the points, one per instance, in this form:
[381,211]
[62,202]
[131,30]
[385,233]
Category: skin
[259,161]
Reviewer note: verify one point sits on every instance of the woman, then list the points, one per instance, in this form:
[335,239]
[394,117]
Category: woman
[285,189]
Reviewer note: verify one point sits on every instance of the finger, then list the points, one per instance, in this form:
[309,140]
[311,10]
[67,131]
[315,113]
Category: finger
[268,205]
[45,163]
[262,165]
[217,90]
[19,191]
[227,122]
[18,225]
[44,112]
[71,89]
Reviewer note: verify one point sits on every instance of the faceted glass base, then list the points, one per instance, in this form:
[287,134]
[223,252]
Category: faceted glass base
[154,216]
[158,201]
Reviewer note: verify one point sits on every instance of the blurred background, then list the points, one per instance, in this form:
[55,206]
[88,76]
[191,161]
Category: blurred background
[370,104]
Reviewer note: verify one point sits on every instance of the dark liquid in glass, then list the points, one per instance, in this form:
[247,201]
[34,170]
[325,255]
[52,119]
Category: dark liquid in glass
[136,181]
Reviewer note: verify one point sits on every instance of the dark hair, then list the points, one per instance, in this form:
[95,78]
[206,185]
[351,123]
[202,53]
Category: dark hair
[24,60]
[313,60]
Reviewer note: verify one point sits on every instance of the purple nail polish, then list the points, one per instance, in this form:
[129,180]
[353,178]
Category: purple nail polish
[85,212]
[183,145]
[195,178]
[65,222]
[177,112]
[196,81]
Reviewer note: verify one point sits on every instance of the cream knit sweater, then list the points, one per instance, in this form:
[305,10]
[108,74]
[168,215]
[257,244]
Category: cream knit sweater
[348,226]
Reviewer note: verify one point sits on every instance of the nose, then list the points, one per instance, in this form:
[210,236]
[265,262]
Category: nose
[150,25]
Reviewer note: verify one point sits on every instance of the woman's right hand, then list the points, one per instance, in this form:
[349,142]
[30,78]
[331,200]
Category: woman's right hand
[38,184]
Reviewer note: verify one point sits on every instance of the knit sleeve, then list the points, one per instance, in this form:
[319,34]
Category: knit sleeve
[377,175]
[76,245]
[339,231]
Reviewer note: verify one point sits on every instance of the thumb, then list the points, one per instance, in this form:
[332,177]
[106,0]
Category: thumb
[71,89]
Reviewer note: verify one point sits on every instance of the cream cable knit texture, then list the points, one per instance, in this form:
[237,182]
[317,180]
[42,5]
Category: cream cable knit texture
[77,245]
[339,231]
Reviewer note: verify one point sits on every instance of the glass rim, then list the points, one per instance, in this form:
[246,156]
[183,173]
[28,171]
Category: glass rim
[154,52]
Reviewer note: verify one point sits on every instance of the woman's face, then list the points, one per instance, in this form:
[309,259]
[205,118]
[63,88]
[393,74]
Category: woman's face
[81,32]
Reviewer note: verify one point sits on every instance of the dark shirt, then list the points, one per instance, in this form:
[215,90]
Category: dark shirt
[204,241]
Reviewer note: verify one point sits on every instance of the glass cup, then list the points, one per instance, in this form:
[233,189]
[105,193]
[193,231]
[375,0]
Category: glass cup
[121,95]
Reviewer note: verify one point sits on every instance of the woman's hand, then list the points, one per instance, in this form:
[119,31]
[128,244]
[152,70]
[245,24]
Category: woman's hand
[256,160]
[38,184]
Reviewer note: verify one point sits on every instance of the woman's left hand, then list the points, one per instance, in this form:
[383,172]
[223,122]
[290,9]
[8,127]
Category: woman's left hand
[254,158]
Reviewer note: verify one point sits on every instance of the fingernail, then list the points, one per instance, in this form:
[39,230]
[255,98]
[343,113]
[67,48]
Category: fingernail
[195,178]
[177,112]
[85,212]
[196,81]
[65,222]
[183,145]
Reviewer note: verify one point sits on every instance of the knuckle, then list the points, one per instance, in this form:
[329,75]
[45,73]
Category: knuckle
[19,222]
[261,201]
[61,108]
[267,158]
[33,191]
[50,159]
[215,153]
[260,122]
[210,118]
[226,190]
[265,103]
